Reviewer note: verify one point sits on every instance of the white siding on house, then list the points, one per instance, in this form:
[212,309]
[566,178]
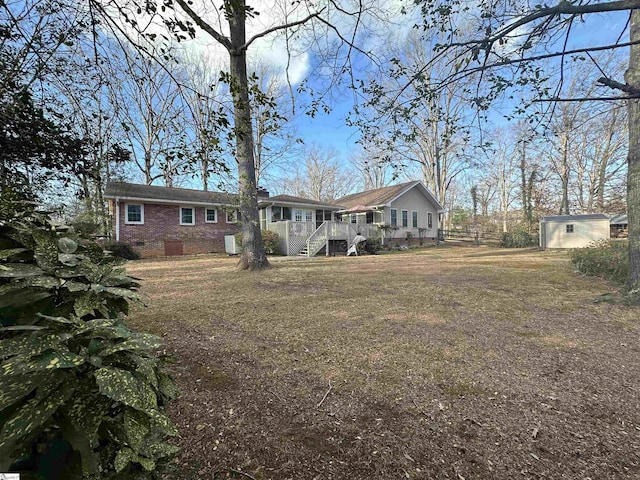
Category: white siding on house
[554,233]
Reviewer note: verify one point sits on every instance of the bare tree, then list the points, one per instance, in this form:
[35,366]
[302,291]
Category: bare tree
[511,40]
[375,169]
[500,170]
[321,176]
[275,138]
[601,146]
[206,112]
[151,110]
[429,129]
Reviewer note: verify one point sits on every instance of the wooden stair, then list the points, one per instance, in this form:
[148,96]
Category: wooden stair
[313,247]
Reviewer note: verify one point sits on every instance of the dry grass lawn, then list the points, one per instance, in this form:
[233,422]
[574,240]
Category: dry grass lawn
[459,363]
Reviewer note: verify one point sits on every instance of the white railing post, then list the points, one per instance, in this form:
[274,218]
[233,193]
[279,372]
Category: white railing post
[326,234]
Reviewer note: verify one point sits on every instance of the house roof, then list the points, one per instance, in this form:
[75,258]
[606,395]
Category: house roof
[290,199]
[620,219]
[383,196]
[575,218]
[132,191]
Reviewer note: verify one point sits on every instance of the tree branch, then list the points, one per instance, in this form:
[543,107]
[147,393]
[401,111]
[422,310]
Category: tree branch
[277,27]
[563,8]
[197,19]
[612,84]
[585,99]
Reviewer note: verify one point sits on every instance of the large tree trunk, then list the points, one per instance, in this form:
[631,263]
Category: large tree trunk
[632,78]
[253,255]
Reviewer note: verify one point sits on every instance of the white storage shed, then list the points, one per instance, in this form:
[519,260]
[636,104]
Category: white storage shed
[573,231]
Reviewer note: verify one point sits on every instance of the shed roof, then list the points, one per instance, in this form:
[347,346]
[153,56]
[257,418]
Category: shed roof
[620,219]
[132,191]
[575,218]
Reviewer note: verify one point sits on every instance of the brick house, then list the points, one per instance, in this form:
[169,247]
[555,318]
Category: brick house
[159,221]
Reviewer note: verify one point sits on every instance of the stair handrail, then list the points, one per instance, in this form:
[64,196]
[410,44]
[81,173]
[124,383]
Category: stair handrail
[324,224]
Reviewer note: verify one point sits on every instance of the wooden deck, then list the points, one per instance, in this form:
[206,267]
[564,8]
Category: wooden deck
[298,236]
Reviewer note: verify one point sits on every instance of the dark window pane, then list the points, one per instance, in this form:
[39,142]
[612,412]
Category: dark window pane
[369,218]
[186,215]
[134,213]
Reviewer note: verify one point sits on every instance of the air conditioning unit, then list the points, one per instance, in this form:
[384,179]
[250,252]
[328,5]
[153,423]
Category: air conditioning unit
[230,245]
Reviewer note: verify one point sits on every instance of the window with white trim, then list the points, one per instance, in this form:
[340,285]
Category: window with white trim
[134,213]
[308,216]
[210,215]
[570,228]
[394,217]
[414,219]
[187,216]
[353,218]
[297,215]
[405,218]
[429,220]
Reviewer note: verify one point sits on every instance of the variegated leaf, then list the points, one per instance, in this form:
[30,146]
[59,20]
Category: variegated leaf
[123,458]
[161,450]
[67,245]
[10,252]
[86,304]
[75,286]
[161,421]
[86,411]
[122,386]
[123,292]
[70,259]
[33,414]
[17,387]
[138,341]
[19,270]
[30,345]
[148,464]
[49,360]
[136,427]
[166,385]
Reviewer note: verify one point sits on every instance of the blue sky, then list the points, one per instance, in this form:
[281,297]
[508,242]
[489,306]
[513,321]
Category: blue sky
[331,129]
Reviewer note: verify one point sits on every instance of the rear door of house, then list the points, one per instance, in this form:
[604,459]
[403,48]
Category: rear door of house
[173,248]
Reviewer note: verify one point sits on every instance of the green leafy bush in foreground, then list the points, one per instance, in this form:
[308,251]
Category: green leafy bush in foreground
[605,258]
[81,395]
[270,240]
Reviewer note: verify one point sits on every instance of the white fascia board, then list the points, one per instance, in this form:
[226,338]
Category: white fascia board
[305,205]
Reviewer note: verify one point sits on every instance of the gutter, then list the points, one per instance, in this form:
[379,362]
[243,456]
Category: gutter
[117,219]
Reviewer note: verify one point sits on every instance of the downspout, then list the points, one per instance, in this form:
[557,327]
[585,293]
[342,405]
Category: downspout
[117,220]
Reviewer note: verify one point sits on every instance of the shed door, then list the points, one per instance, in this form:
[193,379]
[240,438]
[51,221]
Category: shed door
[173,248]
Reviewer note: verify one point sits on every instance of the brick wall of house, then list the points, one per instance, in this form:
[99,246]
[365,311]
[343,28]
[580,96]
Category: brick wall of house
[162,223]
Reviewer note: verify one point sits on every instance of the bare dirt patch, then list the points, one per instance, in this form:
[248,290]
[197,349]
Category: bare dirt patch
[451,363]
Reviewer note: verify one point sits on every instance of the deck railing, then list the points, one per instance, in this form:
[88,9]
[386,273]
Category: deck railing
[294,236]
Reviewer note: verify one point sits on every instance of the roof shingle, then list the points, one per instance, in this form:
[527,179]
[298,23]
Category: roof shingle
[125,190]
[300,200]
[372,198]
